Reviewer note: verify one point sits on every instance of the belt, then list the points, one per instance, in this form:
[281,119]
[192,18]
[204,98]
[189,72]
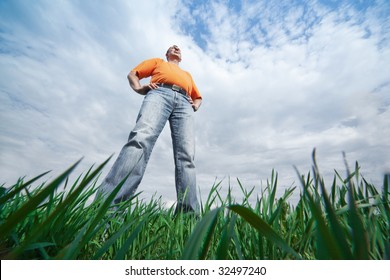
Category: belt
[173,87]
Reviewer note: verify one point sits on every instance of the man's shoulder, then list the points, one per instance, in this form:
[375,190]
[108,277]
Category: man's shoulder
[157,59]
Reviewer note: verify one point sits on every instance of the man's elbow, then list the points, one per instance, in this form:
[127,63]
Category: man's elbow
[129,75]
[132,75]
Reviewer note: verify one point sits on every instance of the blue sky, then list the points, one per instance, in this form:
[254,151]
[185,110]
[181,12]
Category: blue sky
[278,78]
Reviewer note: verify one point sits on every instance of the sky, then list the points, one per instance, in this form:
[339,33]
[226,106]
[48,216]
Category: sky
[278,78]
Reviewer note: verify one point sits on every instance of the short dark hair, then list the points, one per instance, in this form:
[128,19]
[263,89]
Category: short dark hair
[166,54]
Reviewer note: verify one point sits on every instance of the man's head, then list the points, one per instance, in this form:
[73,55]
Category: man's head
[173,53]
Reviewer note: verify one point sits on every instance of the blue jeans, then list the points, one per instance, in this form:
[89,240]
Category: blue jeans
[159,106]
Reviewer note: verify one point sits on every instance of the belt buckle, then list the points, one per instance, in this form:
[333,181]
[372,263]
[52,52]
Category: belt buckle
[176,88]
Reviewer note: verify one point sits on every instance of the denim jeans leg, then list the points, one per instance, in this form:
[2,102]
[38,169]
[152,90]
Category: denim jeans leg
[134,156]
[183,138]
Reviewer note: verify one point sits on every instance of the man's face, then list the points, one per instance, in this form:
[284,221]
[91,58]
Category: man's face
[174,51]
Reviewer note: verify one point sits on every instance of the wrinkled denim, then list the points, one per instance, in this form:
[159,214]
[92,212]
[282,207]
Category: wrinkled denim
[159,106]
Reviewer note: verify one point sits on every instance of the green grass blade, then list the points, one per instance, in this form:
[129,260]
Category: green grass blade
[57,213]
[263,228]
[272,187]
[237,245]
[386,206]
[39,245]
[111,241]
[67,252]
[359,235]
[281,203]
[195,246]
[336,229]
[326,244]
[93,226]
[227,235]
[31,205]
[211,197]
[123,250]
[18,189]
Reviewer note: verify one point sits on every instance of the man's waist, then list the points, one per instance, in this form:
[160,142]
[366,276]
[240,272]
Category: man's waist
[173,87]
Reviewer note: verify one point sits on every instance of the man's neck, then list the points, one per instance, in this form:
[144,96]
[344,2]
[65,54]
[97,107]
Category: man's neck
[174,61]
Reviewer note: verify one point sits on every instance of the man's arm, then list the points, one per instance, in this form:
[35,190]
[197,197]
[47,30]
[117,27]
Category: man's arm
[196,104]
[136,85]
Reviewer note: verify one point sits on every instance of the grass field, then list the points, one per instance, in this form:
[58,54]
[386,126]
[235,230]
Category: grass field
[56,220]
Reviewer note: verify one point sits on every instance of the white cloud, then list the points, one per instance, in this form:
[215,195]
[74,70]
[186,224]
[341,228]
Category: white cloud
[289,94]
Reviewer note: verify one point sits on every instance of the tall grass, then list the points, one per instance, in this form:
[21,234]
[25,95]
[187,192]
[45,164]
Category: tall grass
[347,220]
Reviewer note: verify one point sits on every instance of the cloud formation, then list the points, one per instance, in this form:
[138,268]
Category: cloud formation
[278,79]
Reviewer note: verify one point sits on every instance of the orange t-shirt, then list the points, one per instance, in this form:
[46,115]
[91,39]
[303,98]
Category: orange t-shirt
[167,73]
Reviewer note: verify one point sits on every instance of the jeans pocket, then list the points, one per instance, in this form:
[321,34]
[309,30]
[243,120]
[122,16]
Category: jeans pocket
[189,99]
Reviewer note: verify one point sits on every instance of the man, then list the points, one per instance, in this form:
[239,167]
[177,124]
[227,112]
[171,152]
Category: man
[170,96]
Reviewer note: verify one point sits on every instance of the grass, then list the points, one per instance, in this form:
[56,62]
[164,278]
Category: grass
[56,220]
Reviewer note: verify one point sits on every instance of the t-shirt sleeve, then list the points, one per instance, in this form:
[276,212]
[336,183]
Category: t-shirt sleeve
[195,94]
[146,68]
